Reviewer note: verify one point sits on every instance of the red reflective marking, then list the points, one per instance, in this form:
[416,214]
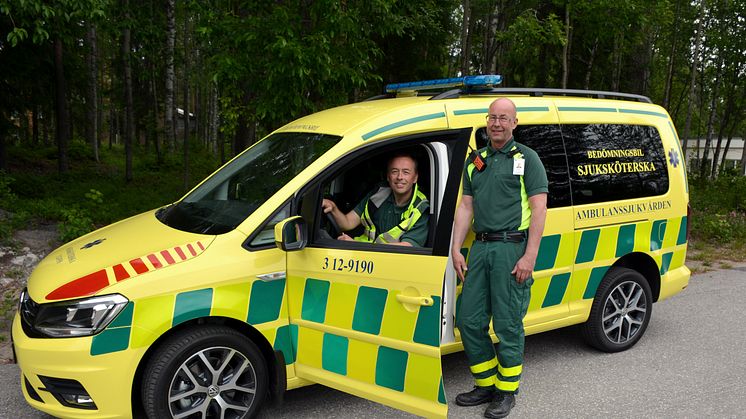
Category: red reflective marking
[120,273]
[180,252]
[191,249]
[166,255]
[201,247]
[82,286]
[139,266]
[154,260]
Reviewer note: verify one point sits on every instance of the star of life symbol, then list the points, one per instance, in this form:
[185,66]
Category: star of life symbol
[673,156]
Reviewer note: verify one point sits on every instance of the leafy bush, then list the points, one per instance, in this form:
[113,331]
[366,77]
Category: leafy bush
[75,223]
[719,208]
[6,194]
[91,194]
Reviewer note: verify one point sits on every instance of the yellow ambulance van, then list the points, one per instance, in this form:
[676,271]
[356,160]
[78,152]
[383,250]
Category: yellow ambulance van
[220,302]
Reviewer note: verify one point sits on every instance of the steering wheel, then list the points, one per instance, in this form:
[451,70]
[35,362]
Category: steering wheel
[336,231]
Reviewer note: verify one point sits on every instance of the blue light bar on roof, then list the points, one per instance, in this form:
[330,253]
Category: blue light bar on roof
[469,82]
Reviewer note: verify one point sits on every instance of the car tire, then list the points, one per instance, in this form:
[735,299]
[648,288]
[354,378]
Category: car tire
[212,371]
[620,312]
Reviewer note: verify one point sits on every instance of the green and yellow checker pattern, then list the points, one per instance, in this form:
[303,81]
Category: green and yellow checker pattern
[258,303]
[365,335]
[588,254]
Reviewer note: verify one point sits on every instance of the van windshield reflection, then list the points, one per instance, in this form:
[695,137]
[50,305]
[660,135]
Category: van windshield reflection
[230,195]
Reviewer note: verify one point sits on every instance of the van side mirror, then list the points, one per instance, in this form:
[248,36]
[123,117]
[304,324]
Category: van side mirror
[291,233]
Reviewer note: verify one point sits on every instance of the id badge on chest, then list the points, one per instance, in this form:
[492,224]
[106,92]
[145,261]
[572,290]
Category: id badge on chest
[519,166]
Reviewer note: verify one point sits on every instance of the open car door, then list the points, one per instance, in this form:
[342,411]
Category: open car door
[368,316]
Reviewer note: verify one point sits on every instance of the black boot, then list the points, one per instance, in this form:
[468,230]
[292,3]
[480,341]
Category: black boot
[475,397]
[500,406]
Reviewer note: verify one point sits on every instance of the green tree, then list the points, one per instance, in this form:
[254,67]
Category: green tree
[45,21]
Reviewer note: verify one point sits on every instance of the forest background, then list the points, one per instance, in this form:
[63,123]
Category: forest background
[113,107]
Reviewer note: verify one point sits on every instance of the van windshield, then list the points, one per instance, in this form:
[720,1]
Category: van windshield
[230,195]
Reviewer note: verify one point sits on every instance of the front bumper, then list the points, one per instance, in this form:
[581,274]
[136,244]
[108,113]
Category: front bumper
[106,378]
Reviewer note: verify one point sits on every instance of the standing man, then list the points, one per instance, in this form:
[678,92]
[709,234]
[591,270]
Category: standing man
[505,194]
[397,214]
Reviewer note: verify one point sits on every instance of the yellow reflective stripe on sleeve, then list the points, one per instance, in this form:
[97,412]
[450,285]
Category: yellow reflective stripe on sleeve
[506,385]
[483,366]
[470,170]
[525,208]
[510,371]
[486,382]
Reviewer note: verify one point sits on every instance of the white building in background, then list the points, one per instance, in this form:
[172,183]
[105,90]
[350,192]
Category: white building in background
[695,149]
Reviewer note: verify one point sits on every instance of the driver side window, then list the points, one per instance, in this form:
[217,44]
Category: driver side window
[383,198]
[368,179]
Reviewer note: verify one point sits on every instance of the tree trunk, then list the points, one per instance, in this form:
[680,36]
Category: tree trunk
[616,76]
[743,152]
[91,103]
[35,128]
[499,47]
[465,38]
[112,125]
[156,116]
[129,112]
[693,78]
[214,120]
[62,130]
[489,66]
[186,103]
[5,125]
[727,147]
[738,110]
[711,123]
[723,126]
[45,127]
[566,47]
[102,70]
[241,138]
[170,120]
[671,60]
[589,67]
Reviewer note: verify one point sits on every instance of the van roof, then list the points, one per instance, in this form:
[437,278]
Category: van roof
[386,113]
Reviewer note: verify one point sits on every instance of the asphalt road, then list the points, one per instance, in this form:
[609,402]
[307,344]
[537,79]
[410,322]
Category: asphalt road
[691,363]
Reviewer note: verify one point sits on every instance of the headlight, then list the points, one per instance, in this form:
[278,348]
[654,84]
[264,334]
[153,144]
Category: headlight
[72,318]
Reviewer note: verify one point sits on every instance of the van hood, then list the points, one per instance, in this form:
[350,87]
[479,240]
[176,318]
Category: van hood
[118,252]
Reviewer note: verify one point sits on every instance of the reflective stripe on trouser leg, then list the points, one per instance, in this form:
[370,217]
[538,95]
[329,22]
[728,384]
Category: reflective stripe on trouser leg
[473,319]
[509,300]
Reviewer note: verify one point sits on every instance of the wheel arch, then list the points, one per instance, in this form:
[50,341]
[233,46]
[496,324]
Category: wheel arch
[646,266]
[276,388]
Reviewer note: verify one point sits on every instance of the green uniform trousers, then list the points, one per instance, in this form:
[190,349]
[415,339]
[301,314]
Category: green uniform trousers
[491,291]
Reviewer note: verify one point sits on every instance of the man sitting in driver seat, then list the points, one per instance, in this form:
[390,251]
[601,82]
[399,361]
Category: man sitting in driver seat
[396,214]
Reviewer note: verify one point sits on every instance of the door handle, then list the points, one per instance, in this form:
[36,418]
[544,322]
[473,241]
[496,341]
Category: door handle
[274,276]
[414,300]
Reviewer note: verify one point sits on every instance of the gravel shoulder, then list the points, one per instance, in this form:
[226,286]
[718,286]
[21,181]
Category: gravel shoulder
[17,260]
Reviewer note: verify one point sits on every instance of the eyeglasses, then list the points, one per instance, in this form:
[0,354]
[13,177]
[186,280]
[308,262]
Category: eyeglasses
[502,119]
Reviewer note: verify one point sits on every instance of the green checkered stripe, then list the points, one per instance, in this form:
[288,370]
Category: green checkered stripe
[341,324]
[258,303]
[592,252]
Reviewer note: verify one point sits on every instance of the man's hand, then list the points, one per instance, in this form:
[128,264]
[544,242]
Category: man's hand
[459,263]
[523,268]
[345,237]
[461,224]
[327,205]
